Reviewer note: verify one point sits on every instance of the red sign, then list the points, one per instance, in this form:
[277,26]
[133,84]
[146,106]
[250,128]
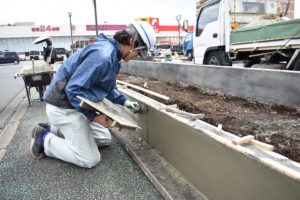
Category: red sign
[43,28]
[155,24]
[164,42]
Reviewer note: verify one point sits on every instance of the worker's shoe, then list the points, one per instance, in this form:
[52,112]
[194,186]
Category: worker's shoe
[37,144]
[52,129]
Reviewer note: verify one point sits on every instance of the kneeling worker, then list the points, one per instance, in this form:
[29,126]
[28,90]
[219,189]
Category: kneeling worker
[74,133]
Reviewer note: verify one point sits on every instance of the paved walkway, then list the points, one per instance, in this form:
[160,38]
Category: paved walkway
[116,177]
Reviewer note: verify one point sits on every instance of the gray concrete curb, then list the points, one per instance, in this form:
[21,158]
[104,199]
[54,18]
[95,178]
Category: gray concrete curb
[17,109]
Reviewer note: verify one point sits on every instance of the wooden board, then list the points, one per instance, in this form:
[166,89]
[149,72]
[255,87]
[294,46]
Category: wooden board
[110,110]
[243,140]
[144,90]
[249,139]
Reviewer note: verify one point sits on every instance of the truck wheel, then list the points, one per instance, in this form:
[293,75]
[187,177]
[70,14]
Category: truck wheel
[213,58]
[217,58]
[297,65]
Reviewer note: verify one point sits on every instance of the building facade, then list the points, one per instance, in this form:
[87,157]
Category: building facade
[20,37]
[287,6]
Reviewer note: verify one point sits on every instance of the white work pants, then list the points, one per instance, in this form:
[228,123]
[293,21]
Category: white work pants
[82,137]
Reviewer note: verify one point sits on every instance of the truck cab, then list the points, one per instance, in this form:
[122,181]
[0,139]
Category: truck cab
[216,20]
[208,34]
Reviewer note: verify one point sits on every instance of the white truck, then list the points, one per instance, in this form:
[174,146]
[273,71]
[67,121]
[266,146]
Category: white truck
[263,43]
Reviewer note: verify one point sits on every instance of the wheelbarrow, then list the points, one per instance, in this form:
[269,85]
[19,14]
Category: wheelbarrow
[38,77]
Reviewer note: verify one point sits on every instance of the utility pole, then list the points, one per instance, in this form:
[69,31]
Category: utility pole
[71,29]
[178,18]
[96,20]
[287,8]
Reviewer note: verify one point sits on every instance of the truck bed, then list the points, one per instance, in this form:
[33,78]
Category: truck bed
[267,32]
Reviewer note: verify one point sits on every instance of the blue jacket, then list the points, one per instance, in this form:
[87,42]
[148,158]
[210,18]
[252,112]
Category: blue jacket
[90,73]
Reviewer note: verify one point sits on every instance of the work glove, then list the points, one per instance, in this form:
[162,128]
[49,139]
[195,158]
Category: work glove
[132,106]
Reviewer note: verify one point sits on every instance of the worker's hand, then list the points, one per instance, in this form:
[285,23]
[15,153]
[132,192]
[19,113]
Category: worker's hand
[103,120]
[132,106]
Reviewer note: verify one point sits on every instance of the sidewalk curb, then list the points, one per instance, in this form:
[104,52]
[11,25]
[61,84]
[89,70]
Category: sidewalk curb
[10,129]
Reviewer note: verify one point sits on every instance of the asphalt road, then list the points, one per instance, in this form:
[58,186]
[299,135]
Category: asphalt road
[11,89]
[9,86]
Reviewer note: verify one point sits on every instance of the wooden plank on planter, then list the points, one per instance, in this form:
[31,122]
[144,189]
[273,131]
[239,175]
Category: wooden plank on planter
[143,90]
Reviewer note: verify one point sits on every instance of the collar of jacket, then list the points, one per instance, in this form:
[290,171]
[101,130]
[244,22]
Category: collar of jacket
[114,42]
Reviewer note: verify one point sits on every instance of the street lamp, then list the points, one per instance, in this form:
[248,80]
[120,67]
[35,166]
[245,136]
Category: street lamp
[70,16]
[178,18]
[105,22]
[96,20]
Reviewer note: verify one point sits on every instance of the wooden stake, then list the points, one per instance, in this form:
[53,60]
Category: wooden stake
[219,129]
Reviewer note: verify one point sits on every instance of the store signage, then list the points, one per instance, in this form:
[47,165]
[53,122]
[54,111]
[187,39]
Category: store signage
[155,23]
[43,28]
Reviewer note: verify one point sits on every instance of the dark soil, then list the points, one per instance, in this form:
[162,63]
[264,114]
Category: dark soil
[277,125]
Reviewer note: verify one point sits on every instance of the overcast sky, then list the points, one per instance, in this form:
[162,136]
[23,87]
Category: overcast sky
[54,12]
[50,12]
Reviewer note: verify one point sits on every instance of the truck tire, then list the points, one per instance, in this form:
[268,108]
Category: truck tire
[297,65]
[217,58]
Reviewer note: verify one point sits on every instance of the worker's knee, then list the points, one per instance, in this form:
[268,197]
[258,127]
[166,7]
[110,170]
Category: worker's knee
[103,142]
[91,162]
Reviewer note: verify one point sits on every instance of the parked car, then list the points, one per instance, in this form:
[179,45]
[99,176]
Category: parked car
[154,52]
[61,54]
[9,57]
[34,55]
[22,55]
[178,49]
[69,53]
[161,50]
[27,55]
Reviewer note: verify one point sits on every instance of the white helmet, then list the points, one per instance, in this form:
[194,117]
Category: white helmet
[144,35]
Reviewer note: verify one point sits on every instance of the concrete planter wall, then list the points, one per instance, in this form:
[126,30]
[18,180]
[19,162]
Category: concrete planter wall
[216,167]
[275,86]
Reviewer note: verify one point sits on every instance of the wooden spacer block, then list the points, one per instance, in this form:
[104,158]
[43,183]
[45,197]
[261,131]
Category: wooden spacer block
[243,140]
[262,145]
